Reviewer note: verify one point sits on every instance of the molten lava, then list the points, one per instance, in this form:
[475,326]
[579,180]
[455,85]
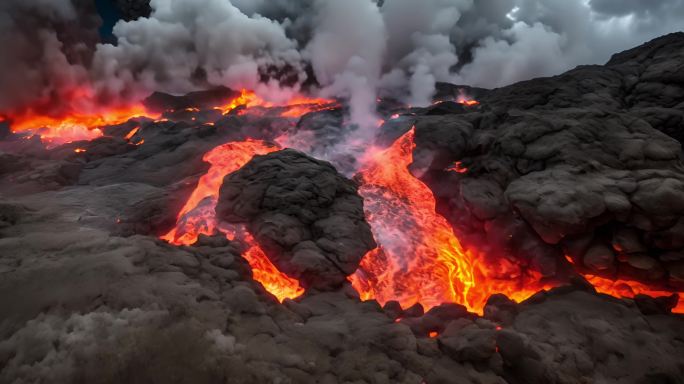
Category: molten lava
[294,107]
[629,289]
[420,260]
[58,130]
[198,216]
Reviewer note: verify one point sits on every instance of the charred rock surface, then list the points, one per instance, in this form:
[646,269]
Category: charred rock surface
[308,218]
[586,164]
[98,308]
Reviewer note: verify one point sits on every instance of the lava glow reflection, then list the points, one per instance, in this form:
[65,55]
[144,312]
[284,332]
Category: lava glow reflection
[58,130]
[198,216]
[295,106]
[629,289]
[420,260]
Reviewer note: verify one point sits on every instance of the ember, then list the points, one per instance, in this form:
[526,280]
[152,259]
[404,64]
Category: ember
[629,289]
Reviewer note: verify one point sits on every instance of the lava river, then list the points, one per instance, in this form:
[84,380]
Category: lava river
[419,260]
[198,215]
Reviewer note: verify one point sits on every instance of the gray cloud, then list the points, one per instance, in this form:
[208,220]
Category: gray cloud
[355,49]
[47,47]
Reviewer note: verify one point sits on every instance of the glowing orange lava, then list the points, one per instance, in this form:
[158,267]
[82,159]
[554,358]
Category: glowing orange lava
[294,107]
[198,216]
[131,133]
[629,289]
[469,103]
[277,283]
[466,100]
[420,260]
[58,130]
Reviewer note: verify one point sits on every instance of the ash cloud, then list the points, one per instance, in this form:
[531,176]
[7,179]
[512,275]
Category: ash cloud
[47,47]
[354,49]
[185,44]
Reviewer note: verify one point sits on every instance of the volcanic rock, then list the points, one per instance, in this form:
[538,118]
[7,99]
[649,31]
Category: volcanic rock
[575,162]
[308,219]
[583,155]
[161,102]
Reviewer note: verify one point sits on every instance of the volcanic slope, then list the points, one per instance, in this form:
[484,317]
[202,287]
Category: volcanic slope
[585,165]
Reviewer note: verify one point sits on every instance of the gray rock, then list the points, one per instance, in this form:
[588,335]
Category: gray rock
[600,259]
[308,219]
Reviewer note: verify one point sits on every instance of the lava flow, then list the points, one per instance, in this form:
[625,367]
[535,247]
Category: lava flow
[420,260]
[57,130]
[295,106]
[198,216]
[629,289]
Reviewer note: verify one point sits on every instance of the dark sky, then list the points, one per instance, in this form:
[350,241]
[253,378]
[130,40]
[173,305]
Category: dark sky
[110,15]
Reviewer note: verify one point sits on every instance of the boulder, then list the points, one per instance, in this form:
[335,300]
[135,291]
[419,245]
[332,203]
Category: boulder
[308,219]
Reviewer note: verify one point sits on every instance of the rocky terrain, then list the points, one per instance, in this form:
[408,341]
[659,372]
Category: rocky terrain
[575,175]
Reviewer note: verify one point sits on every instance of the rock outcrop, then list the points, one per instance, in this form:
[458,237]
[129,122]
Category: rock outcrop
[307,218]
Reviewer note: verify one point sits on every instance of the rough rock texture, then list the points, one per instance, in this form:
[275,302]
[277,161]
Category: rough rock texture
[586,164]
[307,218]
[82,305]
[579,164]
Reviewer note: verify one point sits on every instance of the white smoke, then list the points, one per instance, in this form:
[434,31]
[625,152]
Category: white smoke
[347,52]
[185,44]
[420,51]
[356,49]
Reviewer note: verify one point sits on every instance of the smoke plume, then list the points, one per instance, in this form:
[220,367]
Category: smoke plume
[354,49]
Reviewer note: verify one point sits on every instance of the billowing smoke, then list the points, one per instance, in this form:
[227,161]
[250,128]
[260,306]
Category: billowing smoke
[420,50]
[47,47]
[186,44]
[347,51]
[355,49]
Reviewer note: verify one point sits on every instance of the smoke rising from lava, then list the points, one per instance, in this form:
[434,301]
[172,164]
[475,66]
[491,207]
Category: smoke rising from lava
[352,49]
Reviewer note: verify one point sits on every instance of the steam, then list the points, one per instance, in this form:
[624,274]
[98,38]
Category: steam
[346,53]
[188,44]
[419,46]
[45,52]
[355,49]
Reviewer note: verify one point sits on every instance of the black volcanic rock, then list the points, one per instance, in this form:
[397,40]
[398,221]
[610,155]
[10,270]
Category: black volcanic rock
[308,218]
[577,165]
[451,92]
[160,102]
[567,165]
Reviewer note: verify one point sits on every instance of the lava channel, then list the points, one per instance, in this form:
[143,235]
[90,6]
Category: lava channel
[419,259]
[198,216]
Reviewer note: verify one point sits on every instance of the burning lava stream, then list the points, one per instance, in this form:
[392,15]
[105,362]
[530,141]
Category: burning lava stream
[57,130]
[420,260]
[198,216]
